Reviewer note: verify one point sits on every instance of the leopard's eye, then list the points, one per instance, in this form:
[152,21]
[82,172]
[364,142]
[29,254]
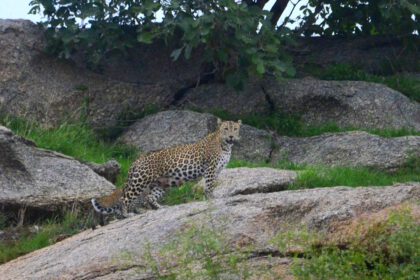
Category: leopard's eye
[226,128]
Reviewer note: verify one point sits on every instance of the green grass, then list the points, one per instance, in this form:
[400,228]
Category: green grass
[323,176]
[320,177]
[48,234]
[389,250]
[183,194]
[405,84]
[76,140]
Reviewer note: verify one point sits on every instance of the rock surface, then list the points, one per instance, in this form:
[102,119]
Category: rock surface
[51,91]
[122,250]
[353,148]
[43,179]
[109,170]
[347,103]
[220,97]
[243,180]
[255,145]
[168,129]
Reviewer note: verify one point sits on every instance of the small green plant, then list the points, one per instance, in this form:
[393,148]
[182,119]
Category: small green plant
[387,250]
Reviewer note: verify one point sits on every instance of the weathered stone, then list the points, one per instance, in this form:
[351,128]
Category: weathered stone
[168,129]
[220,97]
[346,103]
[352,104]
[353,148]
[109,170]
[33,177]
[236,181]
[50,91]
[255,145]
[124,249]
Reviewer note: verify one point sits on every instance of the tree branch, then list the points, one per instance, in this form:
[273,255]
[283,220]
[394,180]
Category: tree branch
[277,10]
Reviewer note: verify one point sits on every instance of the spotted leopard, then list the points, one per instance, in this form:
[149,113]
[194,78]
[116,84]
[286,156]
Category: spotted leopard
[151,174]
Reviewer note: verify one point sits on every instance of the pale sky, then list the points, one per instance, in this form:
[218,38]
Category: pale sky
[18,9]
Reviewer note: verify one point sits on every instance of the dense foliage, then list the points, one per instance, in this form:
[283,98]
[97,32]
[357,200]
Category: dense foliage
[236,40]
[351,17]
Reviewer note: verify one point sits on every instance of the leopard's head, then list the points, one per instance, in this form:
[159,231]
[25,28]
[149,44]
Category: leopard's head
[229,130]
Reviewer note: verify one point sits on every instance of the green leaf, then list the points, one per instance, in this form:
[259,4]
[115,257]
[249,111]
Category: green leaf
[145,37]
[260,68]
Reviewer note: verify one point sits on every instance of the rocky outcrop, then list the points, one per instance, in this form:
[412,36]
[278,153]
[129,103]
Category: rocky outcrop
[168,129]
[346,103]
[352,104]
[236,181]
[353,148]
[51,91]
[128,249]
[33,177]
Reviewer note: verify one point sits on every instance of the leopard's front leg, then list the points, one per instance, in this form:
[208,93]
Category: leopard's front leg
[210,180]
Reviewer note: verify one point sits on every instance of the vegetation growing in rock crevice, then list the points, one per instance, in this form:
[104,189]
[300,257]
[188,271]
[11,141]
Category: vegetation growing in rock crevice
[383,246]
[198,252]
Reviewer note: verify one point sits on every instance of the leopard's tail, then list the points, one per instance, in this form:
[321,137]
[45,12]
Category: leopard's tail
[104,210]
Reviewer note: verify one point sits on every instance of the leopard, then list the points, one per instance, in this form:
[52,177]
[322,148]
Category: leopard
[153,173]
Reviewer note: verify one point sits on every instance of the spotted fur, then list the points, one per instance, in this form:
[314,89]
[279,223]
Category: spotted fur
[151,174]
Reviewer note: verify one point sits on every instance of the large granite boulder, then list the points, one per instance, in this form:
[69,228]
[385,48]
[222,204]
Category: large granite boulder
[42,179]
[349,104]
[168,129]
[355,148]
[50,91]
[135,248]
[243,180]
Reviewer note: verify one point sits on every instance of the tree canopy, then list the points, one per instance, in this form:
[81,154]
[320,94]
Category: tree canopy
[238,38]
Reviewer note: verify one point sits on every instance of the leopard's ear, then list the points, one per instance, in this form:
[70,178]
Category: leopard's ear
[239,122]
[219,122]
